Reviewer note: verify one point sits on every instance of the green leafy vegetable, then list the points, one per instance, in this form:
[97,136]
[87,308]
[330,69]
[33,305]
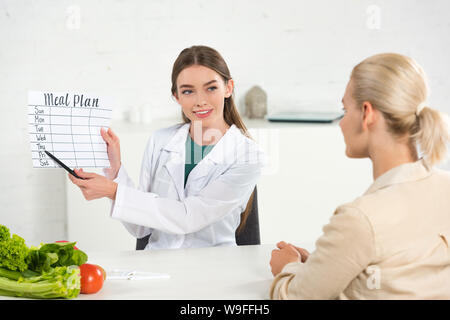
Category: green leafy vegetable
[52,255]
[48,271]
[59,282]
[13,250]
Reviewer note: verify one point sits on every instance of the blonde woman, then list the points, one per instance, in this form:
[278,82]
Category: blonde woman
[393,241]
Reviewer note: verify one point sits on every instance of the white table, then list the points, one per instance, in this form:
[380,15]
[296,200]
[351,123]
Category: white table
[204,273]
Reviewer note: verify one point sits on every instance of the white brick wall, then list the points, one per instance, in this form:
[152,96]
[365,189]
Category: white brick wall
[300,52]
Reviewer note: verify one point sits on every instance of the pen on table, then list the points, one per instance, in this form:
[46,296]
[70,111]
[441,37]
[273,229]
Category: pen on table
[63,165]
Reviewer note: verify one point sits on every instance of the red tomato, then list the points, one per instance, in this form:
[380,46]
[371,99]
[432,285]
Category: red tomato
[104,273]
[75,247]
[91,278]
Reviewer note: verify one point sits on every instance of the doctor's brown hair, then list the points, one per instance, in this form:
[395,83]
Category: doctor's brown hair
[210,58]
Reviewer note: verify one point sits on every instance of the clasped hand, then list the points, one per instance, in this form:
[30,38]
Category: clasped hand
[286,253]
[95,186]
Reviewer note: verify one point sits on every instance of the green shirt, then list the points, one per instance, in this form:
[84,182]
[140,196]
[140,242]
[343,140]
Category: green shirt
[194,154]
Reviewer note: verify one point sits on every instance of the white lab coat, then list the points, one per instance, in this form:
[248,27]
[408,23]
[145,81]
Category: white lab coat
[204,213]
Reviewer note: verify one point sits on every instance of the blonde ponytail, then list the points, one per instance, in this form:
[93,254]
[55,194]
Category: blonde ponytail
[432,135]
[396,85]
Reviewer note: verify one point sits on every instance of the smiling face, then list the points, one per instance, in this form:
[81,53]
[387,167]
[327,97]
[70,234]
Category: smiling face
[351,124]
[201,93]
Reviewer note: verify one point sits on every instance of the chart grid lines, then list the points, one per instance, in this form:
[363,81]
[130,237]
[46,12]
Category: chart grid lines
[68,125]
[90,136]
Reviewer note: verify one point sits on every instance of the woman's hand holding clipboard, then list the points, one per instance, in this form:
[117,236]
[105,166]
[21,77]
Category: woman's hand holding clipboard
[95,186]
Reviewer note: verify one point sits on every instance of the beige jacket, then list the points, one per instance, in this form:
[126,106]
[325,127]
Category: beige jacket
[390,243]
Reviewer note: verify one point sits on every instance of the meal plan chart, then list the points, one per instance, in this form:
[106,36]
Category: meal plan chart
[68,126]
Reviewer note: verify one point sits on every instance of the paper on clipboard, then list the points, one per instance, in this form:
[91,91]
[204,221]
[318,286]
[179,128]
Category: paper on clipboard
[124,274]
[68,125]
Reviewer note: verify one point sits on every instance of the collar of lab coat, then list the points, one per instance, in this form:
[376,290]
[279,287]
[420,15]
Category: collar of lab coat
[407,172]
[224,152]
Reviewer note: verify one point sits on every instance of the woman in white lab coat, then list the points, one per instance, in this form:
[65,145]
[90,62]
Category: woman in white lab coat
[196,177]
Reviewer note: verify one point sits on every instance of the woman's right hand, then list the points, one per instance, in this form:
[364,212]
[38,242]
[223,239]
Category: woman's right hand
[304,254]
[113,147]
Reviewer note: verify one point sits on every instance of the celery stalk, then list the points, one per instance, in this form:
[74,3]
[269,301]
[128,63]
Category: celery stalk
[60,282]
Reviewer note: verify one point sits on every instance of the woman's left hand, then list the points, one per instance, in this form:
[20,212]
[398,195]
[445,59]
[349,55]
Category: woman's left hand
[285,254]
[94,186]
